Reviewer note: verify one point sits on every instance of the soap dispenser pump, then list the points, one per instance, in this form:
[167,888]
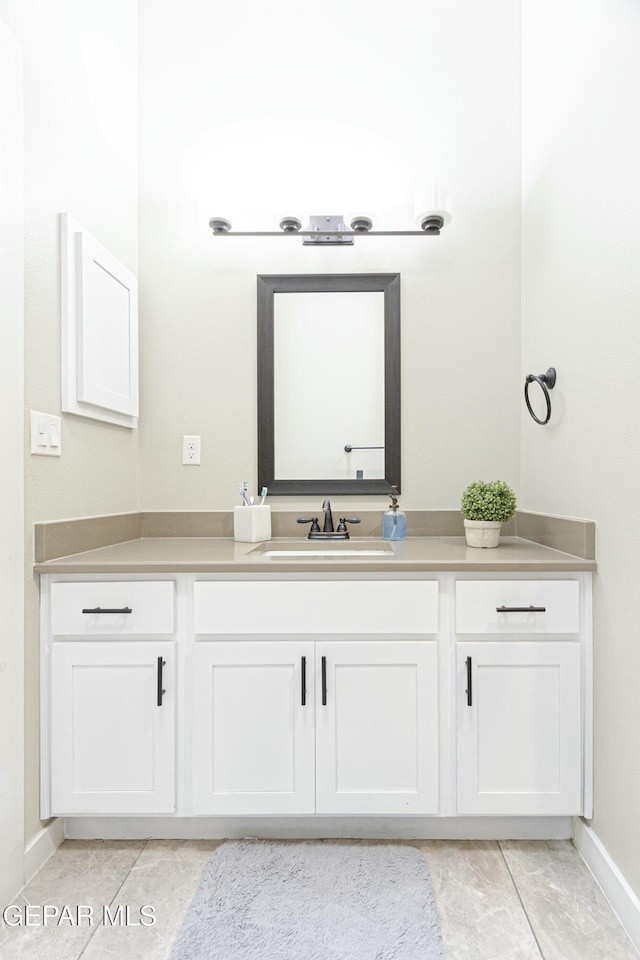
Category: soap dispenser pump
[394,521]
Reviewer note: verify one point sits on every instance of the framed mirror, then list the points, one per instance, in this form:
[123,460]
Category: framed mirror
[329,383]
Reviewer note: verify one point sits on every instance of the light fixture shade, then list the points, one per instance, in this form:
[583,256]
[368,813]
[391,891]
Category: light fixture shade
[290,224]
[430,203]
[361,222]
[430,220]
[220,225]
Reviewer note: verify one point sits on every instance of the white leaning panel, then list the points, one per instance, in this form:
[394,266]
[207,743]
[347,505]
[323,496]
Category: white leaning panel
[107,329]
[98,328]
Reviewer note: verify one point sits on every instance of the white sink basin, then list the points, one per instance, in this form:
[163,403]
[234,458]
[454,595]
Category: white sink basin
[318,548]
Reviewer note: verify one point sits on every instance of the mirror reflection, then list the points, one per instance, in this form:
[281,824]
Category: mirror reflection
[329,385]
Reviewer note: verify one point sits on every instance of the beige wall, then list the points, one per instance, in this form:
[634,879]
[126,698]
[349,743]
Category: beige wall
[250,111]
[253,112]
[11,468]
[80,157]
[581,314]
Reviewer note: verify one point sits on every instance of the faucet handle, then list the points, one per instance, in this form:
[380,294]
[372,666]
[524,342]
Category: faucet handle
[342,526]
[313,521]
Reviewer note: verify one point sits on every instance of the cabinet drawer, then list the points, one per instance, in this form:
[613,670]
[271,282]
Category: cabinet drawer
[504,606]
[295,607]
[112,608]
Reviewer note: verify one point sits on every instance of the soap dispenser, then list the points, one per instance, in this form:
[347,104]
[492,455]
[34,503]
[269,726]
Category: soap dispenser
[394,521]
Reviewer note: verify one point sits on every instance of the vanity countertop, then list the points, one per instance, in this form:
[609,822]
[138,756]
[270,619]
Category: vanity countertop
[223,555]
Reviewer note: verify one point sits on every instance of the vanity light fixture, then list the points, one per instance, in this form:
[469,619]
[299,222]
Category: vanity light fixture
[327,230]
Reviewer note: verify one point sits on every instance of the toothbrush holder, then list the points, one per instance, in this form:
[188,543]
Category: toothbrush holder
[251,524]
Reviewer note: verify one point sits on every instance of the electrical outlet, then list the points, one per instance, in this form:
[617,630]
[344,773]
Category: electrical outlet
[191,451]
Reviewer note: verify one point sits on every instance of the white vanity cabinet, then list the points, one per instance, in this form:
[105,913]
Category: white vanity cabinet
[377,727]
[112,727]
[110,685]
[331,727]
[326,725]
[347,695]
[519,697]
[253,745]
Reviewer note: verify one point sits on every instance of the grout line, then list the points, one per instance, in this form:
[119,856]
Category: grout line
[114,897]
[515,887]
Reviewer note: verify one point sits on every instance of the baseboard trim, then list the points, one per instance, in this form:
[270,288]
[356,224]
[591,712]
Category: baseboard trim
[614,886]
[40,848]
[314,827]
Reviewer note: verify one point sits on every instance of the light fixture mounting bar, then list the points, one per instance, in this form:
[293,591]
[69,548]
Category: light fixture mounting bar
[328,233]
[330,230]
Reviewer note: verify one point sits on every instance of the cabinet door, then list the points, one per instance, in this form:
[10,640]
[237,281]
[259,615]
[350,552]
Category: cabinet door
[377,727]
[253,727]
[519,728]
[112,743]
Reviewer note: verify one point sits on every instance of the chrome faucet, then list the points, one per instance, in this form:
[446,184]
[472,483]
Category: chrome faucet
[328,517]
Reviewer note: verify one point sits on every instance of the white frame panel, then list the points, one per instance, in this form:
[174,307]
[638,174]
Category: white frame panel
[79,250]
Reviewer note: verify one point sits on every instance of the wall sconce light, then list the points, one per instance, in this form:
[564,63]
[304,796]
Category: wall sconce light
[332,230]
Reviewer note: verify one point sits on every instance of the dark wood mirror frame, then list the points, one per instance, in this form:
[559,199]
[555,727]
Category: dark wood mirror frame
[268,285]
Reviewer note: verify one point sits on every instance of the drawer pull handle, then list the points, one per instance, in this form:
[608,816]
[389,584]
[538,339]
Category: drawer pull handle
[469,690]
[324,681]
[161,663]
[107,610]
[303,680]
[521,609]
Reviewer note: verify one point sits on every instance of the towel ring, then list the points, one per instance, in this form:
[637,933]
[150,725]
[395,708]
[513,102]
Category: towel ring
[547,381]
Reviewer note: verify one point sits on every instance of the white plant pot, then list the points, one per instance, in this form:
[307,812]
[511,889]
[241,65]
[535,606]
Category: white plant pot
[482,533]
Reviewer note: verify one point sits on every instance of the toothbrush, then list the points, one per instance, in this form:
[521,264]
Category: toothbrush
[241,491]
[263,494]
[245,487]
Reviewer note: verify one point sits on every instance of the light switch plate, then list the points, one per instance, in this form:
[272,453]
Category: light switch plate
[46,434]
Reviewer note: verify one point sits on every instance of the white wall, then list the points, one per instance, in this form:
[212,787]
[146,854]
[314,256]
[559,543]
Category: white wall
[11,471]
[581,314]
[253,110]
[80,122]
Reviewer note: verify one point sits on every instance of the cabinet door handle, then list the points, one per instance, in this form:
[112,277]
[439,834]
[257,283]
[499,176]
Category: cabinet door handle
[469,690]
[324,681]
[303,681]
[531,609]
[161,663]
[107,610]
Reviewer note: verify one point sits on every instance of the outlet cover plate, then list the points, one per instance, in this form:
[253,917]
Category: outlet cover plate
[191,451]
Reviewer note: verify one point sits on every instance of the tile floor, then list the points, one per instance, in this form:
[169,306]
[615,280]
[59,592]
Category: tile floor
[513,900]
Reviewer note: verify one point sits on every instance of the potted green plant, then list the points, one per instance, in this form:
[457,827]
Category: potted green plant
[485,507]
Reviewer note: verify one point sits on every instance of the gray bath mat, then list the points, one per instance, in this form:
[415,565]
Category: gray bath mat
[259,900]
